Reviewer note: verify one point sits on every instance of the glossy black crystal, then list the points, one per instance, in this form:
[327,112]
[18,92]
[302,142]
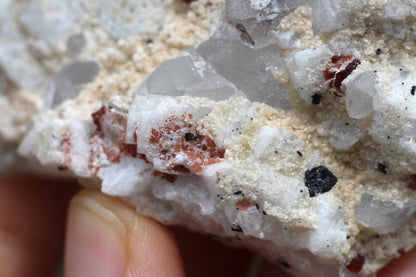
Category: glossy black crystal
[319,180]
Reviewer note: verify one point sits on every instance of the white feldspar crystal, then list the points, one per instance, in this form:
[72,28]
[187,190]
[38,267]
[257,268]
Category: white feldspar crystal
[271,139]
[360,93]
[395,120]
[61,146]
[305,68]
[121,179]
[122,18]
[290,130]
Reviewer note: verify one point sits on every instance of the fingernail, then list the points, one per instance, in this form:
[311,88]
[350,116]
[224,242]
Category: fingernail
[94,242]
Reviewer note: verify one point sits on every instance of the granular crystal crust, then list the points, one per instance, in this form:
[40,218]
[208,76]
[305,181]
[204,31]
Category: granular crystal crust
[289,130]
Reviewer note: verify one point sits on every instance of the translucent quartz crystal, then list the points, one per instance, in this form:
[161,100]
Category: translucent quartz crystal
[382,216]
[342,135]
[49,20]
[188,75]
[259,4]
[122,18]
[75,43]
[257,19]
[70,80]
[250,70]
[287,39]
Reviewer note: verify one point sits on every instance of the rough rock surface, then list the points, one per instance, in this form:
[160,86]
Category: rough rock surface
[289,130]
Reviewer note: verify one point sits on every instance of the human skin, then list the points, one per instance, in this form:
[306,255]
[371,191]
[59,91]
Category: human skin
[105,237]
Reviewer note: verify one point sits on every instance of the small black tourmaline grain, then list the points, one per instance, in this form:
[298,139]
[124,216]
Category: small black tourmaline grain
[319,180]
[316,98]
[190,136]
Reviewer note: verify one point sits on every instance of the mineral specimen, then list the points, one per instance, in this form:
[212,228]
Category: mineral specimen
[289,130]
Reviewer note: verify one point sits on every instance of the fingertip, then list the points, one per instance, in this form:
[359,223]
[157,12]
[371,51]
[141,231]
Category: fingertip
[404,266]
[106,237]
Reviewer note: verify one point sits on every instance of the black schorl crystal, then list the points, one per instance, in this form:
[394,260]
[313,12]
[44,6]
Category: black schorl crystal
[190,136]
[316,99]
[319,180]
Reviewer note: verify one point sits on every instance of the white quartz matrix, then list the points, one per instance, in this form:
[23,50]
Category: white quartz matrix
[288,127]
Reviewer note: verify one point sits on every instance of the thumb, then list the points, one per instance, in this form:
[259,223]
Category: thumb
[107,238]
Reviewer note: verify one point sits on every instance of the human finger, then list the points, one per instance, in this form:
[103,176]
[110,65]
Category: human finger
[108,238]
[405,266]
[32,224]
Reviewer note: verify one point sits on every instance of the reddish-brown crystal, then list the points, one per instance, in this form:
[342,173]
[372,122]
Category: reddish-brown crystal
[412,182]
[129,149]
[171,178]
[110,147]
[338,70]
[183,135]
[244,204]
[356,264]
[96,117]
[66,145]
[179,134]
